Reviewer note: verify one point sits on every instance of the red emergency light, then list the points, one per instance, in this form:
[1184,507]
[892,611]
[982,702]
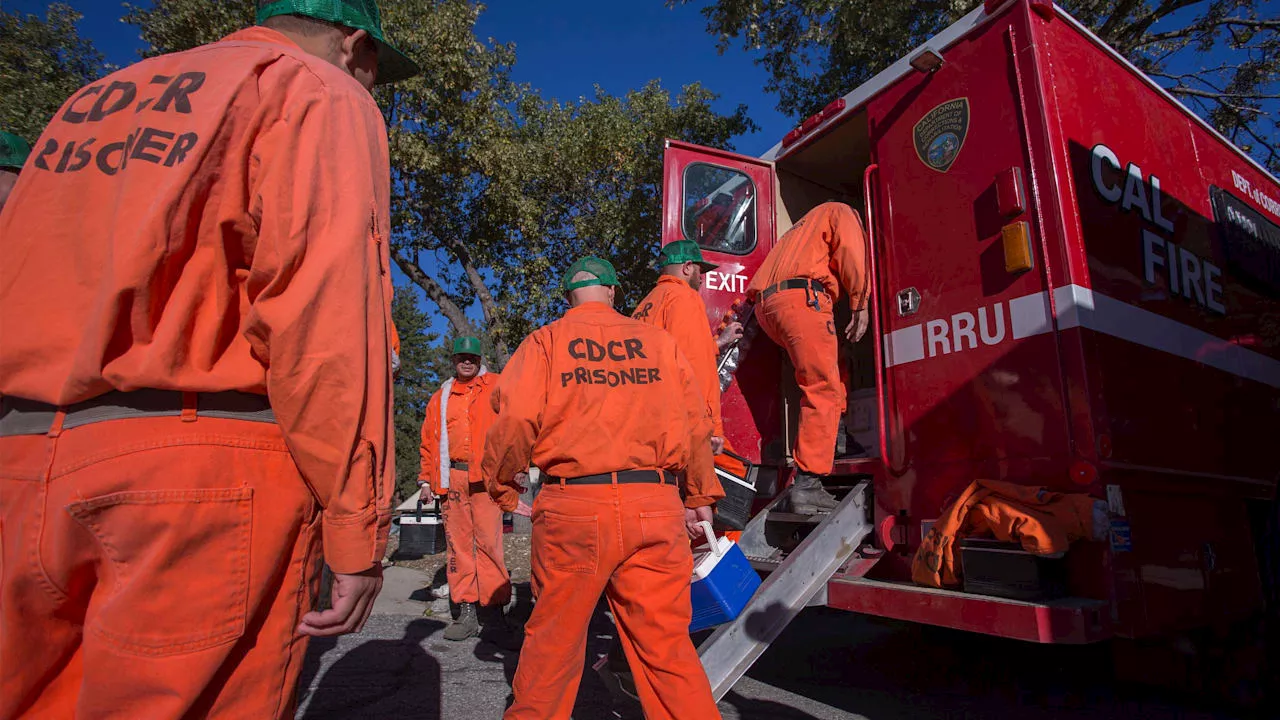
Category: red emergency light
[813,121]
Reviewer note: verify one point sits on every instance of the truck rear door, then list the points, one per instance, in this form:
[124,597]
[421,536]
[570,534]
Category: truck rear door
[973,376]
[725,202]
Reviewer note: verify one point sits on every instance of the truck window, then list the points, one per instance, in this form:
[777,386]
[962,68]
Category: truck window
[719,208]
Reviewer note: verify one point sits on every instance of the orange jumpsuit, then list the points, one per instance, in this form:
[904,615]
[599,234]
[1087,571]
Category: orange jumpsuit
[597,392]
[677,308]
[1044,522]
[212,220]
[472,521]
[826,245]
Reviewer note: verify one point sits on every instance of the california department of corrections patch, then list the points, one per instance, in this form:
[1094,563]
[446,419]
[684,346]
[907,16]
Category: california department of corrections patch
[940,134]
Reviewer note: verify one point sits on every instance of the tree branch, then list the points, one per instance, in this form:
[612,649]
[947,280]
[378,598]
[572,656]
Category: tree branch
[457,318]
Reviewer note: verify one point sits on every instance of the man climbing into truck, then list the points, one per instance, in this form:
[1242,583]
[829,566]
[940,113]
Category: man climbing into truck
[795,290]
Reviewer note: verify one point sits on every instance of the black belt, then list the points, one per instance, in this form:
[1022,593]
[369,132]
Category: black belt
[624,476]
[458,465]
[793,284]
[30,417]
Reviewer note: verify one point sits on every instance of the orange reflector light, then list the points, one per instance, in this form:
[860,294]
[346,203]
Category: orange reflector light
[1017,247]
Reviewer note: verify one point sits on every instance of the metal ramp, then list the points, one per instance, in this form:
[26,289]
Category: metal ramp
[800,573]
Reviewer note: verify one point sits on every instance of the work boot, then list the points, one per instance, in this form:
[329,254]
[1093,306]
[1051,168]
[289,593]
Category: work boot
[466,626]
[498,629]
[808,497]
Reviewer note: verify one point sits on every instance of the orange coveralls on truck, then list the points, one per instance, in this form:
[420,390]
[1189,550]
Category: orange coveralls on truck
[608,408]
[472,521]
[796,289]
[196,377]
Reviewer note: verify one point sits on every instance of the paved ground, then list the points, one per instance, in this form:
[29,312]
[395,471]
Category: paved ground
[829,665]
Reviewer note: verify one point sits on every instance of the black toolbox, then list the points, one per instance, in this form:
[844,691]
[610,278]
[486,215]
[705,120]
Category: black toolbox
[1004,569]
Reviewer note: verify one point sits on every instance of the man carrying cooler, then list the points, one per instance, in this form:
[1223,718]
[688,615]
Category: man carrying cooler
[196,374]
[459,415]
[610,411]
[796,288]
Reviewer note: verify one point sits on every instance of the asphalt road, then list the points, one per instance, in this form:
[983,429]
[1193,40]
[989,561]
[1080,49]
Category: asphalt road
[828,665]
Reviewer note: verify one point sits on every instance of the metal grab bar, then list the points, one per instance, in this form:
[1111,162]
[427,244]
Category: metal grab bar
[873,262]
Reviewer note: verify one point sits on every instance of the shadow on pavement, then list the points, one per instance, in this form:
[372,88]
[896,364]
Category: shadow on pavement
[751,709]
[386,676]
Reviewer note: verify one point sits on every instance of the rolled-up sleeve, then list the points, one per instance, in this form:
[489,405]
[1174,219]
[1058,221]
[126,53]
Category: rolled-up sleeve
[319,316]
[519,401]
[702,487]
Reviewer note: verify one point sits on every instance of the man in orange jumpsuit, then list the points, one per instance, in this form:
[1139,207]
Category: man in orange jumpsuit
[610,411]
[13,155]
[458,417]
[795,290]
[196,375]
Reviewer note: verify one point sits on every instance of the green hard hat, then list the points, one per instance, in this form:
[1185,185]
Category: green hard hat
[601,268]
[466,345]
[683,251]
[393,65]
[13,151]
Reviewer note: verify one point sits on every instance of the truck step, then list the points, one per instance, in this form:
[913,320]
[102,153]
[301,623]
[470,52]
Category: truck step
[1070,620]
[790,587]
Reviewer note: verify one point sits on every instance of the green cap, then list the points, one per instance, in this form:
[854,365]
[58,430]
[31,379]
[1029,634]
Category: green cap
[466,345]
[683,251]
[601,268]
[393,65]
[13,151]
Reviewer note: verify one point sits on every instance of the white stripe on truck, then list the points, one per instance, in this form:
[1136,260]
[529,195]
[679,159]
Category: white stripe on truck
[1079,306]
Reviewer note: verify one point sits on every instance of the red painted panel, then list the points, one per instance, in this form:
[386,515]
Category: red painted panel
[982,395]
[1161,410]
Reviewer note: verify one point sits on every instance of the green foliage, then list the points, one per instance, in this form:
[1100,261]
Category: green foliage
[42,62]
[167,26]
[495,189]
[817,50]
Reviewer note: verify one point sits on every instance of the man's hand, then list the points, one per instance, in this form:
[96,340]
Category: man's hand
[731,334]
[692,516]
[857,325]
[717,444]
[352,602]
[427,497]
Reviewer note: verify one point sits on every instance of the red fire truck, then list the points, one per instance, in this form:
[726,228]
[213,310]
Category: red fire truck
[1075,284]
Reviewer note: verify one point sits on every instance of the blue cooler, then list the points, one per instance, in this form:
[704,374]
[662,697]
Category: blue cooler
[723,582]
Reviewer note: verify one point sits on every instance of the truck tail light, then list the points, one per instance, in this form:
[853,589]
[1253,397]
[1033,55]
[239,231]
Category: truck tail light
[813,121]
[1010,197]
[1083,473]
[1016,237]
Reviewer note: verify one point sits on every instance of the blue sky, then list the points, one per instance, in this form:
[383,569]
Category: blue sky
[563,47]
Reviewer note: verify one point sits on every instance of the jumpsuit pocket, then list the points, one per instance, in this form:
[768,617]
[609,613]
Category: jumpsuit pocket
[570,543]
[179,567]
[665,529]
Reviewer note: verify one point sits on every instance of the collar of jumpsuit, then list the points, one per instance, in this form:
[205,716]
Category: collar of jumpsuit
[594,307]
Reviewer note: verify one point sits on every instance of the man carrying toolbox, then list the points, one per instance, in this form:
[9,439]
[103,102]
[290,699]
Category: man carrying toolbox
[609,409]
[196,374]
[459,415]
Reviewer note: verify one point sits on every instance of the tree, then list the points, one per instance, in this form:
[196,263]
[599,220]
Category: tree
[495,188]
[42,62]
[815,50]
